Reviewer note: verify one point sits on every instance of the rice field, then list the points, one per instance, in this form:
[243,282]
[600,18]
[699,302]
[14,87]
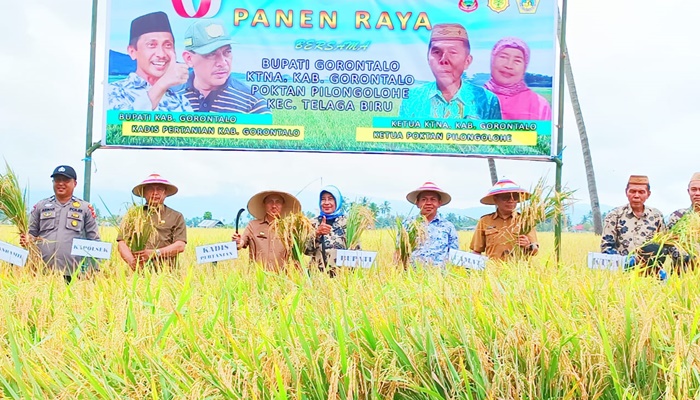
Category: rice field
[232,330]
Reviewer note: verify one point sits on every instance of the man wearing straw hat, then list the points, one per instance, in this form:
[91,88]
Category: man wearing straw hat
[171,232]
[680,258]
[264,245]
[497,234]
[627,228]
[441,233]
[450,96]
[54,223]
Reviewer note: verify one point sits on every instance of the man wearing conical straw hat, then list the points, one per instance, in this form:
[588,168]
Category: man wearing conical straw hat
[627,228]
[171,231]
[441,233]
[682,260]
[497,234]
[264,245]
[54,223]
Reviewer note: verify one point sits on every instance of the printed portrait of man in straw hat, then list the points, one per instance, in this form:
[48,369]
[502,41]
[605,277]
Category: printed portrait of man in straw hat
[450,96]
[264,245]
[171,231]
[498,234]
[441,233]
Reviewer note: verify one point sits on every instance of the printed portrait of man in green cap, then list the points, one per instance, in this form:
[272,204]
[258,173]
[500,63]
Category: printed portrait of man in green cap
[210,86]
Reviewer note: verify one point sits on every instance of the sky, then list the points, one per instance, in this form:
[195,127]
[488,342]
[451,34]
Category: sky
[635,69]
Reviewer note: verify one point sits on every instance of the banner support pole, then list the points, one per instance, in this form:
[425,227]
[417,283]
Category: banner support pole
[89,145]
[560,130]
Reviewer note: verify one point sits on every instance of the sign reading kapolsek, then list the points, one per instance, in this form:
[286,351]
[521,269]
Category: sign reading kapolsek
[92,249]
[381,76]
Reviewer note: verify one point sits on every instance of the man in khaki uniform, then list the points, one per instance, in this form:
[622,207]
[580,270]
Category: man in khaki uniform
[54,223]
[170,226]
[264,245]
[497,234]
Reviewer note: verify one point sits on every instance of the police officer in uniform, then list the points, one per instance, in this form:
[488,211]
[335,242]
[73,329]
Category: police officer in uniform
[56,221]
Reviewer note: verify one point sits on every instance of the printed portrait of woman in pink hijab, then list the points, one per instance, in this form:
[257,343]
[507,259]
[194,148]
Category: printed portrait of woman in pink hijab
[509,60]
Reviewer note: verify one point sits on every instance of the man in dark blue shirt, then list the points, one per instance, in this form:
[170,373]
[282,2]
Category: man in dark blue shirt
[210,88]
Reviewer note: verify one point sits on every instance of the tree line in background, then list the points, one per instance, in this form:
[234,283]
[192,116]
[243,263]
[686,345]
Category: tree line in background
[383,218]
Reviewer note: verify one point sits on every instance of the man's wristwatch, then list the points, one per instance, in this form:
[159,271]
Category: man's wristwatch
[157,252]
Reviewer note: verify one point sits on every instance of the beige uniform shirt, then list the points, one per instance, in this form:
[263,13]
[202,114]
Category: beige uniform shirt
[170,225]
[496,237]
[264,245]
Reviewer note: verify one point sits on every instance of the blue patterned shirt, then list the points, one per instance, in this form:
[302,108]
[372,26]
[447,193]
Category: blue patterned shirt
[470,102]
[441,237]
[131,94]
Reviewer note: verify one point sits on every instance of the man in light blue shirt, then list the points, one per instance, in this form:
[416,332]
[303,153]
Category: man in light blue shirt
[449,96]
[441,235]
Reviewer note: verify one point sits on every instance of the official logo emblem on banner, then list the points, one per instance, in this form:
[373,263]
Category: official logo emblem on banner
[468,5]
[528,6]
[499,5]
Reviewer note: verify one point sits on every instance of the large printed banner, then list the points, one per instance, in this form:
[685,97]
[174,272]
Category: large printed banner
[444,77]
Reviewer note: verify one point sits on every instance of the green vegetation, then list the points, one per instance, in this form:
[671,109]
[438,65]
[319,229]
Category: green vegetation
[530,331]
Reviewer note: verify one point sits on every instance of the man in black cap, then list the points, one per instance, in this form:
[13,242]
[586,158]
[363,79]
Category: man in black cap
[56,221]
[151,44]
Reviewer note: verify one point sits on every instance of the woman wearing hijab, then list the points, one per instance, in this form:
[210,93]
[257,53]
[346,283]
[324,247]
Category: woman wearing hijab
[509,60]
[330,230]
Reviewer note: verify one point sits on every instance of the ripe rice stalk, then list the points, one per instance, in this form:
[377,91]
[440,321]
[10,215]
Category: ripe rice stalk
[544,204]
[408,236]
[684,235]
[294,231]
[137,227]
[360,218]
[13,204]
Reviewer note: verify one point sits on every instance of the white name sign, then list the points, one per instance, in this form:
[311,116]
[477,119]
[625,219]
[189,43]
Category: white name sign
[467,260]
[612,262]
[216,252]
[91,248]
[13,254]
[355,258]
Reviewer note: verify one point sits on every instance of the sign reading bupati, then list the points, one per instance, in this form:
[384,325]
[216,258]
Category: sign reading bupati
[441,77]
[355,258]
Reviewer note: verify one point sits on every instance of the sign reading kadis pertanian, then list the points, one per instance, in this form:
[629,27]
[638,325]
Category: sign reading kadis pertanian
[445,77]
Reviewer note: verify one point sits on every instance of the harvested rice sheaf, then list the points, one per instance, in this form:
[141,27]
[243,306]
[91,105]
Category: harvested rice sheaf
[360,218]
[294,230]
[137,227]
